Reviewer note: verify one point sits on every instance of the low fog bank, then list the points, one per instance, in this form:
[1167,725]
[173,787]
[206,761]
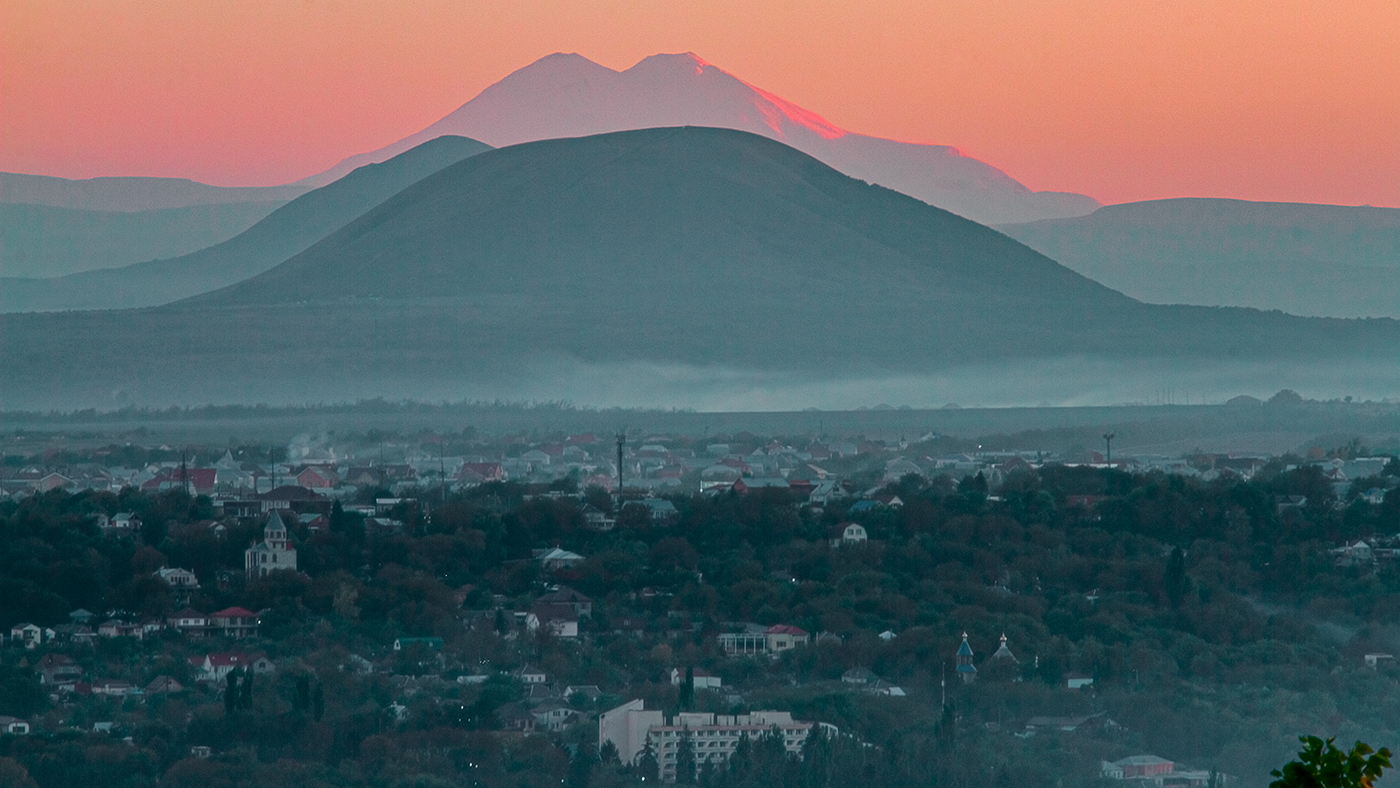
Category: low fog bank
[1062,382]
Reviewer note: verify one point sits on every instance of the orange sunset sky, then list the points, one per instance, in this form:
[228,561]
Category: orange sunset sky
[1119,99]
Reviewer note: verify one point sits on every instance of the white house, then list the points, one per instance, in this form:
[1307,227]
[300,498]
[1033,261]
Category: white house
[703,679]
[28,634]
[849,534]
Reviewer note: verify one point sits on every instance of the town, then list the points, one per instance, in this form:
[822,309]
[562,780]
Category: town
[662,606]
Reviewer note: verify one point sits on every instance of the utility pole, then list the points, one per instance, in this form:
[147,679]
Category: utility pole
[184,474]
[1108,441]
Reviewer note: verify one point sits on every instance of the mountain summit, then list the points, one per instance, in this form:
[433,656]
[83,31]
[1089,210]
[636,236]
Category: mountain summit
[568,95]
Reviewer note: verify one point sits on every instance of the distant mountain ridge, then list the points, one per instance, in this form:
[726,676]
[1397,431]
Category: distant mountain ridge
[680,257]
[134,193]
[283,233]
[567,95]
[44,241]
[1323,260]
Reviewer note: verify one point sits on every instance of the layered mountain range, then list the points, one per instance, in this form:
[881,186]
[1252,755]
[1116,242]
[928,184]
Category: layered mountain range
[681,254]
[568,95]
[1329,260]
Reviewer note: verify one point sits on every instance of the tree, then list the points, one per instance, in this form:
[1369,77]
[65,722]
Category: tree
[581,767]
[246,699]
[303,699]
[647,766]
[231,693]
[685,759]
[1321,765]
[687,693]
[318,703]
[1174,580]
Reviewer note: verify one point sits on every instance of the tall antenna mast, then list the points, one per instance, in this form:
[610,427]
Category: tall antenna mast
[184,473]
[621,441]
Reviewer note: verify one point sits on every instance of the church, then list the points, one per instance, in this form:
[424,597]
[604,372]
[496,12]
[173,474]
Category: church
[273,552]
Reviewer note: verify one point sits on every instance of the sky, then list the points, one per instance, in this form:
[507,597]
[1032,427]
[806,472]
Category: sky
[1119,99]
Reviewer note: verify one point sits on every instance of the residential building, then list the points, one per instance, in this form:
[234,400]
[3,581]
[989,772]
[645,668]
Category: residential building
[1078,680]
[703,679]
[430,642]
[530,675]
[216,667]
[755,639]
[559,620]
[14,726]
[189,622]
[30,635]
[274,552]
[631,727]
[556,558]
[849,533]
[563,595]
[58,670]
[234,622]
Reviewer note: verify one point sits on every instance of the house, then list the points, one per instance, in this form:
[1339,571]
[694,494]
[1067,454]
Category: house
[201,751]
[181,581]
[515,717]
[1149,766]
[123,521]
[314,522]
[556,558]
[757,640]
[588,692]
[28,634]
[189,622]
[273,553]
[743,485]
[216,667]
[315,477]
[529,675]
[81,616]
[430,642]
[661,509]
[1357,553]
[596,518]
[552,715]
[14,726]
[1083,722]
[858,676]
[114,688]
[1078,680]
[474,473]
[262,665]
[1375,661]
[563,595]
[117,628]
[164,685]
[73,633]
[58,670]
[234,622]
[848,533]
[559,620]
[882,687]
[702,679]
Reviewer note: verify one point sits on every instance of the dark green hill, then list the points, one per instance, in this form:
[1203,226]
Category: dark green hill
[647,218]
[285,232]
[1332,260]
[609,268]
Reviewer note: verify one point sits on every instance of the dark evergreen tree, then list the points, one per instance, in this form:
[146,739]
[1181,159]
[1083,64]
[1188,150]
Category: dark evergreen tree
[303,699]
[1174,581]
[685,759]
[648,767]
[231,693]
[687,691]
[318,703]
[246,696]
[581,767]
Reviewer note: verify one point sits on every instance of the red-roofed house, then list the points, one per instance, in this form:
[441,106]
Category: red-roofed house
[234,622]
[215,667]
